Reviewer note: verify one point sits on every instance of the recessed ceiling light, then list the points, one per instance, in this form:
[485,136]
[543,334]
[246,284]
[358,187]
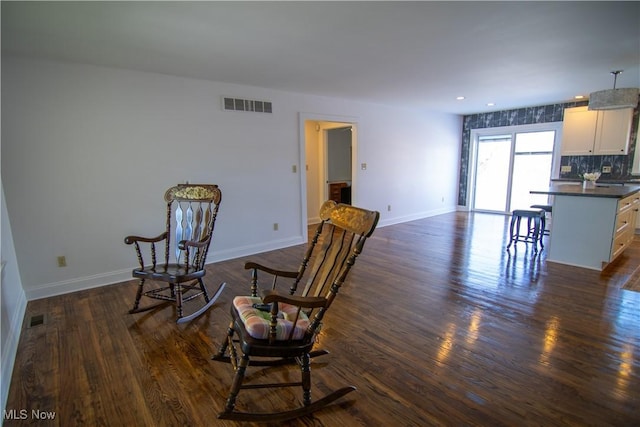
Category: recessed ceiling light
[459,98]
[490,104]
[579,97]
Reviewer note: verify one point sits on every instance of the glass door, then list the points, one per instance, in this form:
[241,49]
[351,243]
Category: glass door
[493,164]
[533,155]
[508,165]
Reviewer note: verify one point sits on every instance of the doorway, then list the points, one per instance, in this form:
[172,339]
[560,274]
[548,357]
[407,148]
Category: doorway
[338,174]
[509,163]
[317,130]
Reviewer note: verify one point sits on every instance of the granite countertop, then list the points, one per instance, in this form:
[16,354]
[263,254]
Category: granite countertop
[603,180]
[600,190]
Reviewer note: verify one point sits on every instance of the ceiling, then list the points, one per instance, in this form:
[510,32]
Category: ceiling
[420,55]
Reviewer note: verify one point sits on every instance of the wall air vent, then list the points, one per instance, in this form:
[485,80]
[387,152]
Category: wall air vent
[236,104]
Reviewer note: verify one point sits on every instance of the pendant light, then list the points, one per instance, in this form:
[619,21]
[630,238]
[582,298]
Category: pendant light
[614,99]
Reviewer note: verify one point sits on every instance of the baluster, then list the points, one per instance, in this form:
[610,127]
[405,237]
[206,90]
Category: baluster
[178,230]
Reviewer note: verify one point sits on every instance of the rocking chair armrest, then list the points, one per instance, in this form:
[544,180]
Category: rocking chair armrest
[268,296]
[183,244]
[129,240]
[272,271]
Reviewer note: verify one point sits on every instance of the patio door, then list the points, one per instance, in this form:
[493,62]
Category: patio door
[508,164]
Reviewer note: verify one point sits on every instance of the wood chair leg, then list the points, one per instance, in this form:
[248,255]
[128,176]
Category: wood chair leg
[238,378]
[178,288]
[305,368]
[220,355]
[136,303]
[203,288]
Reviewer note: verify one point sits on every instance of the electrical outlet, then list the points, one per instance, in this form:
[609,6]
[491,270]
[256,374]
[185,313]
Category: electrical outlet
[606,169]
[565,169]
[62,261]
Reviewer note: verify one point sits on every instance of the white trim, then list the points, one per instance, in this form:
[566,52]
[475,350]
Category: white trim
[415,217]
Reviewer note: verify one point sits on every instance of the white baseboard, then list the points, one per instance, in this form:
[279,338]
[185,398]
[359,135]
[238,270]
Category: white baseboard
[414,217]
[78,284]
[10,347]
[314,220]
[81,283]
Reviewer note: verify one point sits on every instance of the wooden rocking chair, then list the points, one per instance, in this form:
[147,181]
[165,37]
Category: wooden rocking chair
[281,327]
[191,213]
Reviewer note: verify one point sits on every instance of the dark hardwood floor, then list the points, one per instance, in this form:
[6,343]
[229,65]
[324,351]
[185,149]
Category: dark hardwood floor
[438,326]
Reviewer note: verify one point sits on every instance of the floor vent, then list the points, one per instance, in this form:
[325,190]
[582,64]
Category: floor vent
[36,320]
[237,104]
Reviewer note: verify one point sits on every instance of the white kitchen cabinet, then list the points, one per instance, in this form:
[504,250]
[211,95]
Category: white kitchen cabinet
[586,132]
[578,131]
[625,224]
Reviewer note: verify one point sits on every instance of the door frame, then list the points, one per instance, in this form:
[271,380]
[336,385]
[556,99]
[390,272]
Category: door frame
[535,127]
[343,121]
[474,169]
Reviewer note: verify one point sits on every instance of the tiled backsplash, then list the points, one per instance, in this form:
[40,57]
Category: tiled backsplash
[620,165]
[585,164]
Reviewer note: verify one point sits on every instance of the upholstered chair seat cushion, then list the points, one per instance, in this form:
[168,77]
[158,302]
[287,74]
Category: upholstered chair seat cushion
[256,322]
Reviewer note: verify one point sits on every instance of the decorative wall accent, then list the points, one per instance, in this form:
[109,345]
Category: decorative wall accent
[620,165]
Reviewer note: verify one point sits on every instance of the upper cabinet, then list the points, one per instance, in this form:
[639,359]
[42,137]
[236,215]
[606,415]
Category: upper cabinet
[586,132]
[578,131]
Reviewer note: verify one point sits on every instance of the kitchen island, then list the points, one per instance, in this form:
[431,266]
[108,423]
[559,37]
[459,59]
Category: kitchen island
[591,227]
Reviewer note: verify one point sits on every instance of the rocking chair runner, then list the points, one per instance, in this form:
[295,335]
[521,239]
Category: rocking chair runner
[191,213]
[282,326]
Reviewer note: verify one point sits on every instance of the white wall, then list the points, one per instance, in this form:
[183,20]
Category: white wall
[88,151]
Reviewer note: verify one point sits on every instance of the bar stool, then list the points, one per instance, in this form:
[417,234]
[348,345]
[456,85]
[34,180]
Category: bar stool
[535,227]
[548,209]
